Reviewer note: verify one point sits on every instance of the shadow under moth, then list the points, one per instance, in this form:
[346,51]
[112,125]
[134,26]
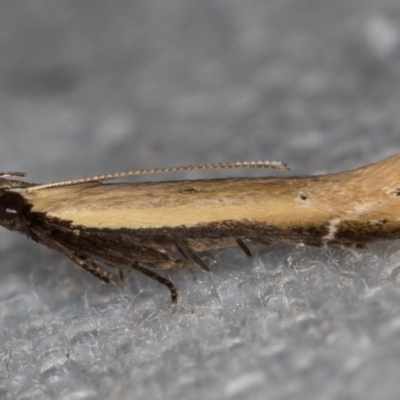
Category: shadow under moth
[159,225]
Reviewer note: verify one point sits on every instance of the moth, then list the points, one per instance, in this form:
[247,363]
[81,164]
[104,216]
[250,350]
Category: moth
[158,225]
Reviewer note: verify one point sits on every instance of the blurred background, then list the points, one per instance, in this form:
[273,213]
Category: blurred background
[89,87]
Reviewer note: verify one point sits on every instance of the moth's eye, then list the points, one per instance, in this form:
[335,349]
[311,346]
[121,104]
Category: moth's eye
[11,205]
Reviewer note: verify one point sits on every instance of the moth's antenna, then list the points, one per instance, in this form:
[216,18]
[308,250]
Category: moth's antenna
[5,174]
[228,165]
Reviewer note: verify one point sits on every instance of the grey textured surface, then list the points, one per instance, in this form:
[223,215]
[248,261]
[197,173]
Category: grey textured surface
[97,86]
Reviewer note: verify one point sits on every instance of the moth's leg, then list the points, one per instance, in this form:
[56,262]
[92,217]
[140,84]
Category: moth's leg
[121,274]
[84,262]
[174,292]
[191,255]
[243,246]
[92,267]
[262,241]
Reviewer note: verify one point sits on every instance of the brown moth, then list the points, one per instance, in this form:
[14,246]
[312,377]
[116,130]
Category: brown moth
[158,225]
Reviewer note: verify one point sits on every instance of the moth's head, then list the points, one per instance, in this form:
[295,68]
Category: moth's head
[12,207]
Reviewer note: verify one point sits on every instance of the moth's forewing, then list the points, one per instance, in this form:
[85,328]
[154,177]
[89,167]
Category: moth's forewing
[351,201]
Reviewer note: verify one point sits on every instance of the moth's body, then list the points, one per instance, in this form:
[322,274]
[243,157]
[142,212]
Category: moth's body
[165,224]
